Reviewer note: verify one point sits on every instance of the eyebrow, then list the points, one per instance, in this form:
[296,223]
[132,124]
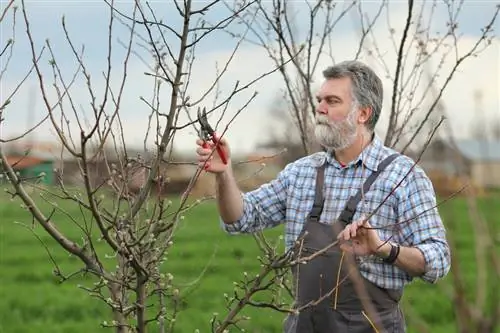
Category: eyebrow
[329,97]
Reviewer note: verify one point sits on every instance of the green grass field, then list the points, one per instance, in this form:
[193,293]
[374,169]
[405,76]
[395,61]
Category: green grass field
[32,301]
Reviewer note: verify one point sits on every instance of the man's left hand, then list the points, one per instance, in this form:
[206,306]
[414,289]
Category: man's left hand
[359,238]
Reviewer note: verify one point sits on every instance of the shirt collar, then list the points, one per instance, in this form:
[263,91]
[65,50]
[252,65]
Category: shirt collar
[370,157]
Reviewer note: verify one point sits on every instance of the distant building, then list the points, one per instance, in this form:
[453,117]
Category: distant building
[478,159]
[34,169]
[35,160]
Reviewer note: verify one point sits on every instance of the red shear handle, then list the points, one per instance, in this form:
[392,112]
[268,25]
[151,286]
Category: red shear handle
[220,151]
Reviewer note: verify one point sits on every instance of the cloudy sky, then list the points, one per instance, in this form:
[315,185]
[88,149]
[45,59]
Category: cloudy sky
[87,23]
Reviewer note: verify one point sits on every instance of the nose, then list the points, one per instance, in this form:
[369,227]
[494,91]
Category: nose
[321,108]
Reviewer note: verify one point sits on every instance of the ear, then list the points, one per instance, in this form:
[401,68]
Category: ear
[364,115]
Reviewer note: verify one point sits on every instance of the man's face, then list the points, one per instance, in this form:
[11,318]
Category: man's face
[336,114]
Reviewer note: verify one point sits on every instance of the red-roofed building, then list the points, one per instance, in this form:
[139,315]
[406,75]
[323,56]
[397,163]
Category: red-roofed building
[32,168]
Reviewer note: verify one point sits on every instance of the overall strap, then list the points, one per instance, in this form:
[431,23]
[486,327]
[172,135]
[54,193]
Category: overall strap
[319,199]
[348,213]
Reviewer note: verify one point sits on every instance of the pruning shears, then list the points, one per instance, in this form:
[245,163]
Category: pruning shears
[207,134]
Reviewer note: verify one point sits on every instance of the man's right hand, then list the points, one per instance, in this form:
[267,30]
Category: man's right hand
[229,198]
[210,160]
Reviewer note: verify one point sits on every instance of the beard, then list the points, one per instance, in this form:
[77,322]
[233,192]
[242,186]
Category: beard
[336,135]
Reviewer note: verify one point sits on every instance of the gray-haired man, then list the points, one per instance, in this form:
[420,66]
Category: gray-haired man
[404,239]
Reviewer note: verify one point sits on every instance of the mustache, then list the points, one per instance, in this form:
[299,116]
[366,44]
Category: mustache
[322,120]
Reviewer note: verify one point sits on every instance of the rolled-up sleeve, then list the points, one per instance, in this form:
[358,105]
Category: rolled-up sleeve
[264,207]
[422,226]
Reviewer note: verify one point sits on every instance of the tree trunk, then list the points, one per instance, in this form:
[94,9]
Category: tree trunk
[118,317]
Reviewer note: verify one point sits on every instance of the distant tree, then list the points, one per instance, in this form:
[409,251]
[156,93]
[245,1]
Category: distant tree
[417,44]
[495,128]
[483,127]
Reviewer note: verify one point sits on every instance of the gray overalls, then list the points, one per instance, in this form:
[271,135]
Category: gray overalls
[341,310]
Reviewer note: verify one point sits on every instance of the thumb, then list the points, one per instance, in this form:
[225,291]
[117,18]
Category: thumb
[223,141]
[224,144]
[364,222]
[367,225]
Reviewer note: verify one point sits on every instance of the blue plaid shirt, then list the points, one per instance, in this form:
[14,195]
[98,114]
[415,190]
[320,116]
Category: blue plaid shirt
[289,198]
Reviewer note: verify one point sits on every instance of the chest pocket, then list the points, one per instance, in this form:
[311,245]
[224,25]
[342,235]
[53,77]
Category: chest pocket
[370,195]
[379,203]
[381,206]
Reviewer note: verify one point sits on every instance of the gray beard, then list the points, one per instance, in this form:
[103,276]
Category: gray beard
[336,135]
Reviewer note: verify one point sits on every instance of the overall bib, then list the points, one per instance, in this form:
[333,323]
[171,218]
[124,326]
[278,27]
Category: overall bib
[341,310]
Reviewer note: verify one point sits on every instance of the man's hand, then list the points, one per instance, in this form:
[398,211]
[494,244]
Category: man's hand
[209,159]
[229,199]
[360,239]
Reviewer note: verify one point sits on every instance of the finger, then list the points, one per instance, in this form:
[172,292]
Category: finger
[203,159]
[201,143]
[203,151]
[347,233]
[346,247]
[204,165]
[353,230]
[360,229]
[341,235]
[222,141]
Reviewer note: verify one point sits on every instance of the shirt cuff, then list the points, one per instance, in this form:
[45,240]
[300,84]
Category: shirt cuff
[437,261]
[231,228]
[241,225]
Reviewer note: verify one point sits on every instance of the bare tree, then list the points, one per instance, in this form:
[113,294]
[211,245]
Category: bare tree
[117,197]
[421,56]
[276,30]
[484,127]
[496,128]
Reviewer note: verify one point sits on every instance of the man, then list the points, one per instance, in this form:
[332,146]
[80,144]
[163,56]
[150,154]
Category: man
[375,202]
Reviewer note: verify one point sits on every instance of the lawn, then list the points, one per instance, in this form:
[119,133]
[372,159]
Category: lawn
[31,300]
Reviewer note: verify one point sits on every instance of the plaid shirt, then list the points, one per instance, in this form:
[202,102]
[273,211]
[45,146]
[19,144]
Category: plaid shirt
[289,198]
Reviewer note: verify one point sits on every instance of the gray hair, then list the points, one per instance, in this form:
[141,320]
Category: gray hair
[367,88]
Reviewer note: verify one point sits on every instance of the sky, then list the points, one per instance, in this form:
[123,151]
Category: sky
[87,23]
